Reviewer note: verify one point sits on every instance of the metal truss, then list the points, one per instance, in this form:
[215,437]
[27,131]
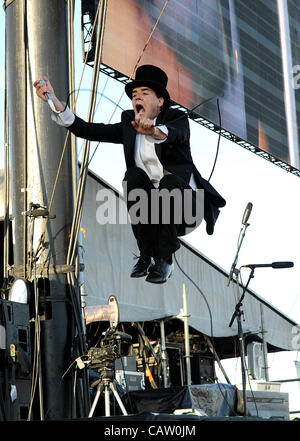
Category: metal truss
[214,127]
[88,13]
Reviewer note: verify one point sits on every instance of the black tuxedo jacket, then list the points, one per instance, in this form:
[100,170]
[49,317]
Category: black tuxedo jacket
[174,153]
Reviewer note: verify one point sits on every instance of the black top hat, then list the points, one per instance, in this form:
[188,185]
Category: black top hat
[152,77]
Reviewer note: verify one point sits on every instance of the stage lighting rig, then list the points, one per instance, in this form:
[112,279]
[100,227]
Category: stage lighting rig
[109,312]
[19,291]
[113,345]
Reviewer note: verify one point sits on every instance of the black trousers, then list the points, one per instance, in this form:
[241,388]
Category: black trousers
[157,231]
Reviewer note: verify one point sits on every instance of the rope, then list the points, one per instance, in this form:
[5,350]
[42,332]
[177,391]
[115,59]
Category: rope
[140,56]
[150,36]
[40,243]
[79,201]
[7,3]
[80,81]
[41,247]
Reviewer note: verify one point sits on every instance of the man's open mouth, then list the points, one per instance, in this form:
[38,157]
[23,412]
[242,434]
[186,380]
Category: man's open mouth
[139,108]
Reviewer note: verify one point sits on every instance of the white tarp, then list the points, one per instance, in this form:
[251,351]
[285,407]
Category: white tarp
[109,256]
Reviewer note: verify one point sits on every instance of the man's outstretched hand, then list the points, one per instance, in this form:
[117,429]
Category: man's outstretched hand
[145,126]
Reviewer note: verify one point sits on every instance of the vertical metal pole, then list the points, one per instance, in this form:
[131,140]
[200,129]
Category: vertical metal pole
[289,92]
[265,349]
[6,182]
[37,46]
[39,360]
[71,68]
[163,352]
[239,314]
[186,338]
[208,341]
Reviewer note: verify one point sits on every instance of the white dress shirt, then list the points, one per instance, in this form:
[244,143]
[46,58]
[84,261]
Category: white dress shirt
[146,158]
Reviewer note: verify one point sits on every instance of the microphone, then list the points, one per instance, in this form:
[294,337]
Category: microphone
[246,216]
[247,213]
[48,96]
[275,265]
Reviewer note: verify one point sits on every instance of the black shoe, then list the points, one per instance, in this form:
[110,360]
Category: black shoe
[141,268]
[160,272]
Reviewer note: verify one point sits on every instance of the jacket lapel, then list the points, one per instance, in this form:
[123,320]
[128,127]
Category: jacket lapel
[158,147]
[129,135]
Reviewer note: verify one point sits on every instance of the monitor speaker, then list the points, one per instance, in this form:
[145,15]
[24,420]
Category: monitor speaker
[202,369]
[15,365]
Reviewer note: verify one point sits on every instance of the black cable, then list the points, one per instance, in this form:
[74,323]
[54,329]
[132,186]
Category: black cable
[5,397]
[184,114]
[219,139]
[189,112]
[126,386]
[202,294]
[93,92]
[79,345]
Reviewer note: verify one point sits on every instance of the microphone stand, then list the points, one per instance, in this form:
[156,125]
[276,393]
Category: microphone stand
[238,311]
[238,314]
[232,270]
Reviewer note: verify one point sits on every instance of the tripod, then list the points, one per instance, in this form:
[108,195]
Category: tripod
[105,383]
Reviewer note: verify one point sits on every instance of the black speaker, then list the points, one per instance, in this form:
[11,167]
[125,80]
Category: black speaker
[202,369]
[15,365]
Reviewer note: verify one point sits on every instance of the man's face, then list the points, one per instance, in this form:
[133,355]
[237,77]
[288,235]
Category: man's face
[146,103]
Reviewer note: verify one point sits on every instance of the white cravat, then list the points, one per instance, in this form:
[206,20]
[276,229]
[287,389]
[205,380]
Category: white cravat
[146,158]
